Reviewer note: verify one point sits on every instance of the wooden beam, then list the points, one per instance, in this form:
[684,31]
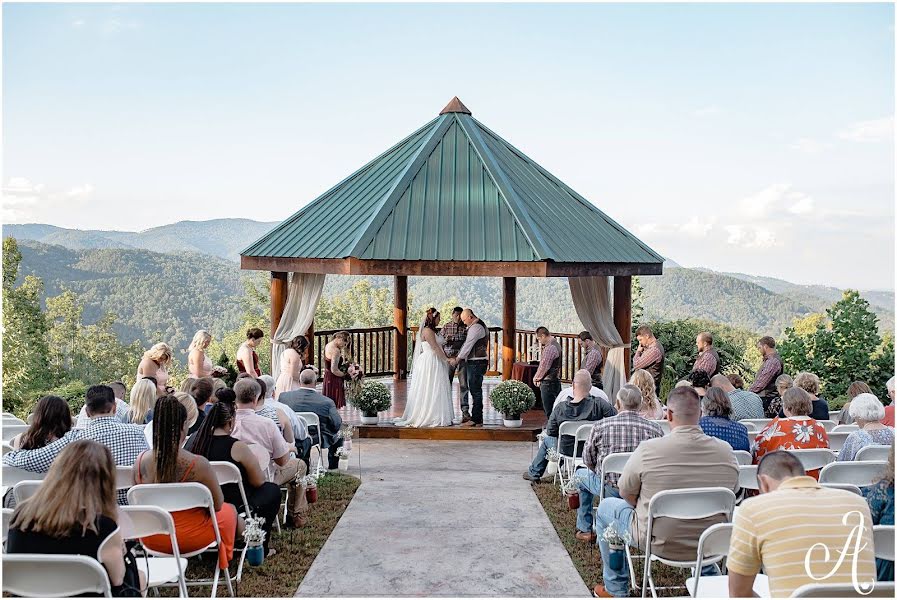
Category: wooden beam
[310,351]
[400,320]
[623,313]
[508,326]
[278,298]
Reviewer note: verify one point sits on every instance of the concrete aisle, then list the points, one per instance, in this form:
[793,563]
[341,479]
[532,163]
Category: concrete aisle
[443,519]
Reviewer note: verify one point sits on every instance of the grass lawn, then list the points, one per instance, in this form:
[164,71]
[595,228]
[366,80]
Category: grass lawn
[586,557]
[281,574]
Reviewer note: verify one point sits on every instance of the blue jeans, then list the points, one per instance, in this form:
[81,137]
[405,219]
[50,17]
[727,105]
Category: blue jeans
[475,370]
[540,462]
[589,487]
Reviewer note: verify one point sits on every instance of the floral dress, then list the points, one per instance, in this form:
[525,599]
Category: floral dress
[790,433]
[880,497]
[861,438]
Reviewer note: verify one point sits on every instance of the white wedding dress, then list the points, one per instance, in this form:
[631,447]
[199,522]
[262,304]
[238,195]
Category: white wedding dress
[429,392]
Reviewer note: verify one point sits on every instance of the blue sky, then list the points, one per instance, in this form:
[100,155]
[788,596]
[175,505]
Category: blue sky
[753,138]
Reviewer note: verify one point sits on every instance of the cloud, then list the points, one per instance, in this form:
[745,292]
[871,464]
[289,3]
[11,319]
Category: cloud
[80,191]
[23,200]
[811,146]
[876,130]
[775,200]
[748,236]
[112,26]
[79,23]
[707,111]
[695,227]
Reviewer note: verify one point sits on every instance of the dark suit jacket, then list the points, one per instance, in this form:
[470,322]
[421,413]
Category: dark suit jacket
[308,400]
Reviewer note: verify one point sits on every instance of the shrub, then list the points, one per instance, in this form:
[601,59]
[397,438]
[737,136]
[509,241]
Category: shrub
[512,398]
[73,392]
[374,397]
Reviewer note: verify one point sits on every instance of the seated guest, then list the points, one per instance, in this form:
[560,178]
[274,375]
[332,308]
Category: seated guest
[765,381]
[168,462]
[52,420]
[252,428]
[593,359]
[867,413]
[280,418]
[143,397]
[308,399]
[880,496]
[215,442]
[685,458]
[649,356]
[708,357]
[797,430]
[202,391]
[74,512]
[187,384]
[889,409]
[189,404]
[853,390]
[745,404]
[651,406]
[715,421]
[810,384]
[121,407]
[622,432]
[736,381]
[224,394]
[700,381]
[772,406]
[763,524]
[300,431]
[582,407]
[567,394]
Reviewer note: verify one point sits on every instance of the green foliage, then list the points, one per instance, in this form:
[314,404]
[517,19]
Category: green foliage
[72,392]
[842,346]
[231,377]
[512,398]
[373,398]
[362,305]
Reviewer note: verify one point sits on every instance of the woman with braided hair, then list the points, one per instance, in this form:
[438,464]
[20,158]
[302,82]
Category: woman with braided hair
[168,462]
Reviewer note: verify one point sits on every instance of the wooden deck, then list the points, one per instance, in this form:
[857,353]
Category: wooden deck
[493,430]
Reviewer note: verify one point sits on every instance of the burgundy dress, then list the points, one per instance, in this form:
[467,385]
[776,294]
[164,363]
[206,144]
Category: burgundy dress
[255,365]
[334,386]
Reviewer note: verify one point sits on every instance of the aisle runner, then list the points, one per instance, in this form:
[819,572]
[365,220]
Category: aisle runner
[443,519]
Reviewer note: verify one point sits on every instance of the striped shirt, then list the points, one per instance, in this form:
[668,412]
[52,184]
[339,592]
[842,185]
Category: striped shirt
[776,531]
[745,405]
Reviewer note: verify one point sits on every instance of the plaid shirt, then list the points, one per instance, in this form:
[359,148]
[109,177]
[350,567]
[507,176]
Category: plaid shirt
[745,405]
[593,359]
[707,361]
[549,354]
[772,365]
[620,433]
[121,413]
[454,335]
[647,356]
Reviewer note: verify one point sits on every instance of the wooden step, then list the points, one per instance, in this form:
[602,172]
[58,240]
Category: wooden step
[492,433]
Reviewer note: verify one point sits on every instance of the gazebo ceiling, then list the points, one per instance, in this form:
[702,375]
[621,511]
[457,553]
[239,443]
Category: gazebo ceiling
[452,198]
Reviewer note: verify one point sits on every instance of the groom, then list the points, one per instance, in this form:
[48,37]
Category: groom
[475,355]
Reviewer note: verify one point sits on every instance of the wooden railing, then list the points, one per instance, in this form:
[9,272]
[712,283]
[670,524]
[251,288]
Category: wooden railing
[571,352]
[372,348]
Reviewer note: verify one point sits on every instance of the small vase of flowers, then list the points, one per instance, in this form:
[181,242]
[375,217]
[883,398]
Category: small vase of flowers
[343,455]
[254,536]
[373,398]
[571,491]
[512,398]
[311,488]
[553,459]
[616,542]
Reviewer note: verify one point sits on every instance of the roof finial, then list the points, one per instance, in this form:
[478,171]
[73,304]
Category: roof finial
[455,106]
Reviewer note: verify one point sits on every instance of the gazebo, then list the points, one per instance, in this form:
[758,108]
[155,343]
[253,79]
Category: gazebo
[454,199]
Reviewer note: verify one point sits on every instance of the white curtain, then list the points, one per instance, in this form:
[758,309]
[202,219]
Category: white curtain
[592,301]
[303,295]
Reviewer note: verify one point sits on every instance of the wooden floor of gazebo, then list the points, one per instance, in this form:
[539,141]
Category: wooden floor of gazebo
[533,421]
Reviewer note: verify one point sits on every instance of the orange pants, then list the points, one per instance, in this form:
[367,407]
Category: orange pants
[194,531]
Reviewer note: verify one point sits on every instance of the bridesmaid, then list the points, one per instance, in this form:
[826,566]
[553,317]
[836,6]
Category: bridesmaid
[335,369]
[290,366]
[198,363]
[154,364]
[247,355]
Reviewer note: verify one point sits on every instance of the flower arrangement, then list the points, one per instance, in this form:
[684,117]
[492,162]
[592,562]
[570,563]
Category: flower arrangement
[512,398]
[346,433]
[253,534]
[614,538]
[373,398]
[571,490]
[343,453]
[553,455]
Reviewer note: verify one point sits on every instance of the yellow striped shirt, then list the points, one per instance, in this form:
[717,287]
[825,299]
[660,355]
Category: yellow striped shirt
[780,529]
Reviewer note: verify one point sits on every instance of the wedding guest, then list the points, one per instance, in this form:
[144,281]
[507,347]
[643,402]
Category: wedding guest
[789,501]
[651,406]
[155,364]
[189,404]
[649,356]
[796,430]
[765,381]
[745,404]
[889,409]
[685,458]
[474,355]
[708,357]
[622,432]
[736,381]
[455,333]
[773,406]
[186,385]
[582,407]
[716,421]
[247,357]
[202,392]
[336,368]
[82,520]
[224,394]
[52,420]
[121,407]
[853,390]
[592,362]
[810,384]
[548,375]
[284,412]
[307,399]
[168,462]
[880,497]
[198,363]
[143,398]
[867,412]
[290,366]
[280,418]
[699,381]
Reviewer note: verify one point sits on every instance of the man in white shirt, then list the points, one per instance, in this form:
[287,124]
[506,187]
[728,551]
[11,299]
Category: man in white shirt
[121,407]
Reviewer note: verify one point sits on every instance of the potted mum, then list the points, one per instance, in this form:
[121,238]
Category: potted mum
[373,398]
[617,545]
[512,398]
[254,536]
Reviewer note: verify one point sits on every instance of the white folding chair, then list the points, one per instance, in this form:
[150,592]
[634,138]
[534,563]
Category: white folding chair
[836,439]
[54,576]
[664,425]
[612,464]
[828,424]
[859,474]
[174,497]
[743,457]
[25,489]
[883,540]
[12,430]
[12,420]
[835,415]
[565,461]
[851,427]
[144,521]
[881,589]
[714,545]
[847,487]
[579,442]
[7,518]
[813,458]
[228,473]
[682,504]
[312,420]
[747,477]
[7,448]
[759,423]
[873,452]
[124,477]
[13,475]
[752,428]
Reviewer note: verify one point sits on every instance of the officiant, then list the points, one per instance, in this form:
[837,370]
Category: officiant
[455,333]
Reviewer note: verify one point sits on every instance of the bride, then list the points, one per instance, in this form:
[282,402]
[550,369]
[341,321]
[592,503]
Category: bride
[430,392]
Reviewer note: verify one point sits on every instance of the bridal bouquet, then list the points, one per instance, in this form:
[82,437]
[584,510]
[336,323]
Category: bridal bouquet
[354,379]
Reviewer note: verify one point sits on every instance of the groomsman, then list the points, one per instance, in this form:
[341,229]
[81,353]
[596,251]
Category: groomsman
[455,334]
[548,375]
[708,357]
[593,358]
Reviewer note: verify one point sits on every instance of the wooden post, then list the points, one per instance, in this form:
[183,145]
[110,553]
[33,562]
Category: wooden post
[623,313]
[508,326]
[400,321]
[278,298]
[310,351]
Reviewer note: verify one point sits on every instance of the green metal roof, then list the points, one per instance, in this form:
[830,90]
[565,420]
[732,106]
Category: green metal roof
[453,191]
